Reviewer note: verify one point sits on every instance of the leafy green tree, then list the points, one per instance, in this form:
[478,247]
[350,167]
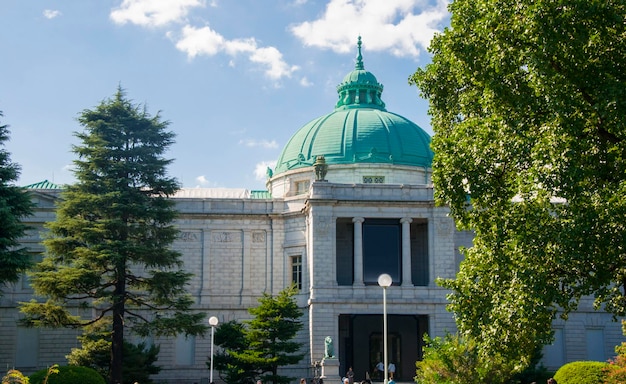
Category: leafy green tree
[139,359]
[527,102]
[455,360]
[260,346]
[15,205]
[109,251]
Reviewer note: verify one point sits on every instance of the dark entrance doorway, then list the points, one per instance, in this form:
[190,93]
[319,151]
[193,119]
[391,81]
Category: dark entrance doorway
[361,344]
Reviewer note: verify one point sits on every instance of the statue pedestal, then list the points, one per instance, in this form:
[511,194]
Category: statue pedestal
[330,371]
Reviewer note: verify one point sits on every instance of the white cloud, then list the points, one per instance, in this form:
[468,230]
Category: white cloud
[197,41]
[202,180]
[51,14]
[402,27]
[154,13]
[206,41]
[259,143]
[260,170]
[272,58]
[305,82]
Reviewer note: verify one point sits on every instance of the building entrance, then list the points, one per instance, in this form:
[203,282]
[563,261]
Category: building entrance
[361,345]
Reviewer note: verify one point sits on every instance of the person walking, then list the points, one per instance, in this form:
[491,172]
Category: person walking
[380,368]
[392,370]
[350,376]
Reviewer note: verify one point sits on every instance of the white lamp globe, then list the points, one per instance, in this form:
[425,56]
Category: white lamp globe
[384,280]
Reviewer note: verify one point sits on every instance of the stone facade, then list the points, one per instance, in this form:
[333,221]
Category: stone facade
[239,248]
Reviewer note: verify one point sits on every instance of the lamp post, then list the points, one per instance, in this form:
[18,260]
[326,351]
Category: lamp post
[212,322]
[385,281]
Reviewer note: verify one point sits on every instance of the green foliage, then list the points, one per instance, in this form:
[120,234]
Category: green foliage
[14,376]
[454,360]
[527,108]
[616,370]
[67,375]
[109,250]
[15,205]
[231,337]
[95,352]
[536,372]
[257,348]
[581,372]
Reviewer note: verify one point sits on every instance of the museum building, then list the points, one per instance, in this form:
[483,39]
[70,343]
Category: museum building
[350,198]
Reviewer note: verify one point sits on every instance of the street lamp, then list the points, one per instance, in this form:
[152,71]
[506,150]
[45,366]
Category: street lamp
[385,281]
[213,322]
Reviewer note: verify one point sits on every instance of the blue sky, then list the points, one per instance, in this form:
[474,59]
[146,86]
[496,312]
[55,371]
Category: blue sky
[235,78]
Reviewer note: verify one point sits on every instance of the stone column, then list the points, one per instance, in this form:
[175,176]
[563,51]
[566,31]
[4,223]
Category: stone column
[406,251]
[358,250]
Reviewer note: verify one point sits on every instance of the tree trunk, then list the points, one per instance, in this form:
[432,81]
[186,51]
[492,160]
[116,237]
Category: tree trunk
[117,338]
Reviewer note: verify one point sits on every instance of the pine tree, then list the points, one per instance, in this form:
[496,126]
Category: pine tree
[15,204]
[109,251]
[268,338]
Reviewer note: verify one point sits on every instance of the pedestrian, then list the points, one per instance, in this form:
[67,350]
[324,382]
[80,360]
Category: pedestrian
[392,370]
[380,368]
[350,376]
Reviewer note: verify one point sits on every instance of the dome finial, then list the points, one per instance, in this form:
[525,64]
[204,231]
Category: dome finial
[359,58]
[359,88]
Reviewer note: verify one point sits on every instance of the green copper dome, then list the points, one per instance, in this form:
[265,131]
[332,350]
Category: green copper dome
[359,130]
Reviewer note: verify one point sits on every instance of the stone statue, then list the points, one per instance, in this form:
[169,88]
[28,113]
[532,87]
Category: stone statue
[321,168]
[329,349]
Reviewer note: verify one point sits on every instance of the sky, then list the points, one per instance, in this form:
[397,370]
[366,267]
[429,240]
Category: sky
[234,78]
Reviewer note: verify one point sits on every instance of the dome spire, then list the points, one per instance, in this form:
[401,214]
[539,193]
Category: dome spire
[360,89]
[359,57]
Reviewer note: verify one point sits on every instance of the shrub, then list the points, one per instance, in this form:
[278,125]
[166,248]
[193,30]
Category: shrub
[14,377]
[581,372]
[458,360]
[616,370]
[95,352]
[70,374]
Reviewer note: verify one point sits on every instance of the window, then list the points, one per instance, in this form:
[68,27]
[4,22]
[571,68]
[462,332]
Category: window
[344,249]
[373,179]
[554,354]
[27,347]
[595,344]
[382,250]
[184,347]
[419,252]
[302,187]
[296,271]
